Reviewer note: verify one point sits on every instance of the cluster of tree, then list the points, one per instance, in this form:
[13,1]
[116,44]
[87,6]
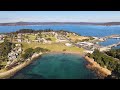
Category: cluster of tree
[49,39]
[29,52]
[114,53]
[33,31]
[45,30]
[64,32]
[26,31]
[105,60]
[83,40]
[5,48]
[91,38]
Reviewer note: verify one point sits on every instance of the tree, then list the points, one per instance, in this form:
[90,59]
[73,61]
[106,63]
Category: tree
[5,48]
[114,53]
[49,39]
[64,49]
[38,49]
[28,53]
[40,35]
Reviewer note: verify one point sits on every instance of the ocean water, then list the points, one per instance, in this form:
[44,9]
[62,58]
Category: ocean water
[86,30]
[56,66]
[109,42]
[62,66]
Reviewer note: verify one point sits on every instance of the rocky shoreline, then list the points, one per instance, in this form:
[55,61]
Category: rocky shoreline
[100,71]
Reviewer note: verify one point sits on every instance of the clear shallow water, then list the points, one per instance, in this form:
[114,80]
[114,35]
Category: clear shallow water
[86,30]
[56,66]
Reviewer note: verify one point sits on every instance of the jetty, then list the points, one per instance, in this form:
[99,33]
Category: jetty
[107,48]
[111,36]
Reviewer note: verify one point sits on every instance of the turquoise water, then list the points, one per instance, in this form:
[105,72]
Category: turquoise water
[86,30]
[56,66]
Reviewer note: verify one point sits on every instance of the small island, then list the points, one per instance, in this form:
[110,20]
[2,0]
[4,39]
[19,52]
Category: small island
[18,49]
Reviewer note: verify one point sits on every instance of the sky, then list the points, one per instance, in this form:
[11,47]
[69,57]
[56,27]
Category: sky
[59,16]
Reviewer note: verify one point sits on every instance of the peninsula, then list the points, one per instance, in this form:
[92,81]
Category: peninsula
[18,49]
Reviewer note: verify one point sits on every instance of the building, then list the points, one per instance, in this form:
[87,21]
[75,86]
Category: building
[68,44]
[89,51]
[85,44]
[19,35]
[19,40]
[2,37]
[18,45]
[12,55]
[60,39]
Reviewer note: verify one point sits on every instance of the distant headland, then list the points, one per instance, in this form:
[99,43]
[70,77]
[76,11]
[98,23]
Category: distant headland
[59,23]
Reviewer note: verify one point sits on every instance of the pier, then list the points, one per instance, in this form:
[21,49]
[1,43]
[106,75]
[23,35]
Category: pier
[90,46]
[111,36]
[107,48]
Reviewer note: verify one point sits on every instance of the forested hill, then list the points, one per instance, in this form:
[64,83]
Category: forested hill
[54,23]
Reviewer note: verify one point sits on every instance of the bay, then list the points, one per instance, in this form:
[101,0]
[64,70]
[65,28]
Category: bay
[56,66]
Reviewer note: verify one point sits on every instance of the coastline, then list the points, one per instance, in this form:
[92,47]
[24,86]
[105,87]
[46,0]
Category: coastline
[11,72]
[100,71]
[67,52]
[14,70]
[92,65]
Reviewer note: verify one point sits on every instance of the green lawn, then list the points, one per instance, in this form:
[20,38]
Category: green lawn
[49,36]
[4,63]
[31,37]
[74,38]
[52,47]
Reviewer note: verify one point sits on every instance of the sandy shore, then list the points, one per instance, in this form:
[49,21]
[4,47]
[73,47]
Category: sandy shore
[103,72]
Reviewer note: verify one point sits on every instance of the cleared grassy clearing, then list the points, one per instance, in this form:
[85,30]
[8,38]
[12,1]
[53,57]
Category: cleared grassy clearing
[52,47]
[74,38]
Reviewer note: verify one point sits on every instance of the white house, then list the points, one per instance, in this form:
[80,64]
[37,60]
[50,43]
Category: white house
[20,50]
[18,45]
[2,38]
[68,44]
[89,51]
[19,40]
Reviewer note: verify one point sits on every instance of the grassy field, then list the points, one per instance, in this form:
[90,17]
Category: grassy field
[52,47]
[74,38]
[31,37]
[49,36]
